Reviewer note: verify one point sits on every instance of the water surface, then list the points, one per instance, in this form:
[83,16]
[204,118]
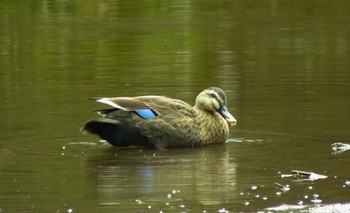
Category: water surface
[283,64]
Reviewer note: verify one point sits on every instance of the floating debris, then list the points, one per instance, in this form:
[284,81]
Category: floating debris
[223,210]
[284,188]
[245,203]
[304,176]
[175,191]
[316,199]
[254,187]
[308,175]
[286,175]
[278,193]
[340,147]
[69,210]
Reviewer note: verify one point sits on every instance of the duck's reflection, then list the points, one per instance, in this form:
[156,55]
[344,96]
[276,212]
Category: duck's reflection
[205,175]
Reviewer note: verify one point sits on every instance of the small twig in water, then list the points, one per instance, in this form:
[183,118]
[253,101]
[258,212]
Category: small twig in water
[283,187]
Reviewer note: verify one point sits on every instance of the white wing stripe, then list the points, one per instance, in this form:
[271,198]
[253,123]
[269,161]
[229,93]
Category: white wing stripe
[110,103]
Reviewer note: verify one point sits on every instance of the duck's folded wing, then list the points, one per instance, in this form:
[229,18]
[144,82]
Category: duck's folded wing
[159,104]
[168,126]
[168,131]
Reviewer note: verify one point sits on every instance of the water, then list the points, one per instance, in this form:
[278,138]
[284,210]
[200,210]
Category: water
[283,64]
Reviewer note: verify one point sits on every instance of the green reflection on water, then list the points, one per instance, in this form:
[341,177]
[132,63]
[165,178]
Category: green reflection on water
[283,64]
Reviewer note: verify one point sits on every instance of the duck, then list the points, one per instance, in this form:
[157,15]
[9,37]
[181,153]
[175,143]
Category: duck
[159,121]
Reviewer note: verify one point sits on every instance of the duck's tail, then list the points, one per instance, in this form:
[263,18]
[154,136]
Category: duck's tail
[115,132]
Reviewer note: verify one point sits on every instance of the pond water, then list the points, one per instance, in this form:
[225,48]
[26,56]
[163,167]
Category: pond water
[284,66]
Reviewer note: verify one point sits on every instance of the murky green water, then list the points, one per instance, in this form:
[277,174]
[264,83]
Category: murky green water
[284,66]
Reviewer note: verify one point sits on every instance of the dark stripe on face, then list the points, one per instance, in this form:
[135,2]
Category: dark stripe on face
[218,94]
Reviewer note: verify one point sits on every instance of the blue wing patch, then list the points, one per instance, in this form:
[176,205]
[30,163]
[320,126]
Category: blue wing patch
[146,113]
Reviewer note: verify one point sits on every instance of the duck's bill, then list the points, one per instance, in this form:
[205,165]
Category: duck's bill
[227,115]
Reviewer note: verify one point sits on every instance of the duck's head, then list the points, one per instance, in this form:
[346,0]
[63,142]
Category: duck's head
[214,99]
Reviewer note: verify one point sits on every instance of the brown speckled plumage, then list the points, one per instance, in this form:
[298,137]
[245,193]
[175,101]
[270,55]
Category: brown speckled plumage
[175,122]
